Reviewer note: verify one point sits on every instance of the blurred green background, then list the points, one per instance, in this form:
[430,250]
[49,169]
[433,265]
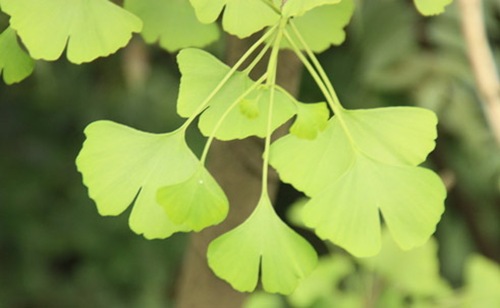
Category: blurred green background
[56,251]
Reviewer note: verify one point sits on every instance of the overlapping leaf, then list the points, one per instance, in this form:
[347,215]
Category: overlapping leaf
[91,28]
[173,23]
[15,64]
[364,162]
[201,73]
[198,202]
[241,17]
[120,164]
[431,7]
[262,244]
[323,26]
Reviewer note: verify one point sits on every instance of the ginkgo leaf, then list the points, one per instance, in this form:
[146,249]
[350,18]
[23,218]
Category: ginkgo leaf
[198,202]
[120,164]
[431,7]
[395,135]
[238,125]
[14,62]
[347,211]
[323,26]
[91,28]
[241,17]
[262,244]
[173,23]
[300,7]
[353,170]
[422,278]
[311,119]
[201,73]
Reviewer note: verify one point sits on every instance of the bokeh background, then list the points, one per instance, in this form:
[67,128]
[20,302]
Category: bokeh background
[56,251]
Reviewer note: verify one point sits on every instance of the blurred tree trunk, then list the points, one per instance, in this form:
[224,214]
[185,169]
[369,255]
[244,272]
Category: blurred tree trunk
[236,165]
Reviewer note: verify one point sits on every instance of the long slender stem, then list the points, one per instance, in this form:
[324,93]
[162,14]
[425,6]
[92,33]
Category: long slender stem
[317,65]
[224,80]
[257,59]
[226,113]
[314,74]
[271,81]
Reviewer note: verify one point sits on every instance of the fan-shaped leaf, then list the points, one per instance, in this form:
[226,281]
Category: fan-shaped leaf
[120,164]
[91,28]
[262,242]
[14,62]
[198,202]
[201,73]
[364,162]
[173,23]
[482,278]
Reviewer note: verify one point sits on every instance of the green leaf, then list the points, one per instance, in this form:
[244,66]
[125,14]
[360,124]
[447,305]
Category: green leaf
[14,62]
[262,244]
[347,211]
[311,119]
[201,73]
[362,163]
[91,28]
[300,7]
[120,164]
[323,26]
[238,125]
[173,23]
[482,277]
[198,202]
[414,272]
[241,17]
[431,7]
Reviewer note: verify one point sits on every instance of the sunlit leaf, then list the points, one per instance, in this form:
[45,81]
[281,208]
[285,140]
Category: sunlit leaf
[201,73]
[198,202]
[311,119]
[91,28]
[323,26]
[241,17]
[15,64]
[238,125]
[431,7]
[120,164]
[414,272]
[355,169]
[300,7]
[482,278]
[173,23]
[262,244]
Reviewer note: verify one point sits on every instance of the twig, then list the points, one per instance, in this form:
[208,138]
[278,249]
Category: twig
[483,64]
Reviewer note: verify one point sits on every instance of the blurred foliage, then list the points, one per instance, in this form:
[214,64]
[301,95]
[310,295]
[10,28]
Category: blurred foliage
[56,251]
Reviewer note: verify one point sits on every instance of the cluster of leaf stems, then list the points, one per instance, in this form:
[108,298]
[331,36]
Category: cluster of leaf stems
[271,39]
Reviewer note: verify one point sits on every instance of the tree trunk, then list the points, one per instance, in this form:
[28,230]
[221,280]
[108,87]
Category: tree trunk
[236,165]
